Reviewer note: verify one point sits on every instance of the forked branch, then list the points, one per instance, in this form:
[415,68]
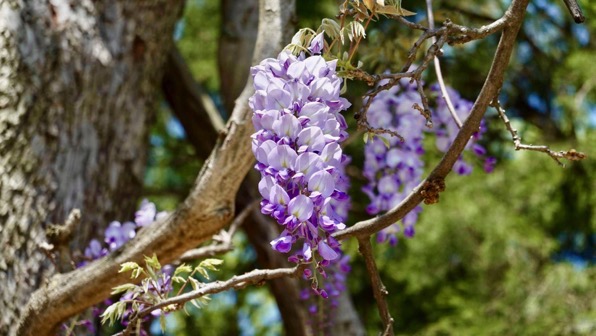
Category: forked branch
[571,155]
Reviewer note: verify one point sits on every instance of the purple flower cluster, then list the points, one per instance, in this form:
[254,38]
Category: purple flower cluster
[115,235]
[446,129]
[393,171]
[334,285]
[119,233]
[298,131]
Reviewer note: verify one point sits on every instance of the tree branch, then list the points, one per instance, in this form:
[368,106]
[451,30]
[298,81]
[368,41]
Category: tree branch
[379,290]
[439,73]
[207,209]
[435,181]
[571,154]
[191,104]
[236,282]
[224,238]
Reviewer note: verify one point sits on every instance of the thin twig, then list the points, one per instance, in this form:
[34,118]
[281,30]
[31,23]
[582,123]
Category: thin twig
[470,34]
[571,154]
[379,290]
[492,84]
[256,276]
[225,243]
[575,10]
[446,97]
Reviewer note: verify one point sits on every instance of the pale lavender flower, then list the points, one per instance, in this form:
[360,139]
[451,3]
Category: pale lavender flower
[117,234]
[395,171]
[298,130]
[146,213]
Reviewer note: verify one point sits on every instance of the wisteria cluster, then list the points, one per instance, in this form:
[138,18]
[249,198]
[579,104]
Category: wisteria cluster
[446,130]
[393,168]
[119,233]
[335,283]
[116,235]
[299,129]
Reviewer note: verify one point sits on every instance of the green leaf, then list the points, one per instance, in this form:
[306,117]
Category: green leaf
[211,264]
[153,262]
[394,10]
[113,312]
[136,272]
[194,283]
[202,271]
[196,303]
[128,266]
[365,137]
[162,322]
[184,268]
[123,288]
[355,29]
[331,28]
[385,141]
[178,279]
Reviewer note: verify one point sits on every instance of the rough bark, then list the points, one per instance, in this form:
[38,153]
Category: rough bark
[184,96]
[207,209]
[236,44]
[77,91]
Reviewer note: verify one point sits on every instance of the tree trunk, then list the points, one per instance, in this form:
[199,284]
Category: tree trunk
[236,45]
[77,92]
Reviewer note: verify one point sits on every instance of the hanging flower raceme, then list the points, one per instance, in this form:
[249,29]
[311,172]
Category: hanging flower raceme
[299,127]
[393,168]
[446,129]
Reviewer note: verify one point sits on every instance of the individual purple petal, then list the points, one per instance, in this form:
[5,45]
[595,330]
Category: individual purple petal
[301,207]
[462,168]
[278,195]
[263,151]
[315,65]
[117,234]
[322,182]
[146,213]
[312,139]
[287,126]
[307,251]
[388,185]
[317,44]
[94,250]
[478,150]
[327,252]
[331,154]
[283,243]
[489,164]
[282,157]
[265,185]
[308,163]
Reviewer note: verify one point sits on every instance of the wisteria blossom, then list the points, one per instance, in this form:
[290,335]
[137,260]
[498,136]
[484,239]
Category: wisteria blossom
[299,127]
[116,235]
[393,168]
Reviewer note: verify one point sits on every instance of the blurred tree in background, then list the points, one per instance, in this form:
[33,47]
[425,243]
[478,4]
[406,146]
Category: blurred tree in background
[511,252]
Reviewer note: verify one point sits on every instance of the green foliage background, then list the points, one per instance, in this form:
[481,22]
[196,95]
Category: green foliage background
[493,257]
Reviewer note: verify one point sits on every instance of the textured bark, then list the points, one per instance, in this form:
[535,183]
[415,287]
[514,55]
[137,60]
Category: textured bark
[236,44]
[77,91]
[191,105]
[184,96]
[206,210]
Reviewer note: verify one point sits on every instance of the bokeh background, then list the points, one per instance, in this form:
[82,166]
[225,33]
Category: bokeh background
[506,253]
